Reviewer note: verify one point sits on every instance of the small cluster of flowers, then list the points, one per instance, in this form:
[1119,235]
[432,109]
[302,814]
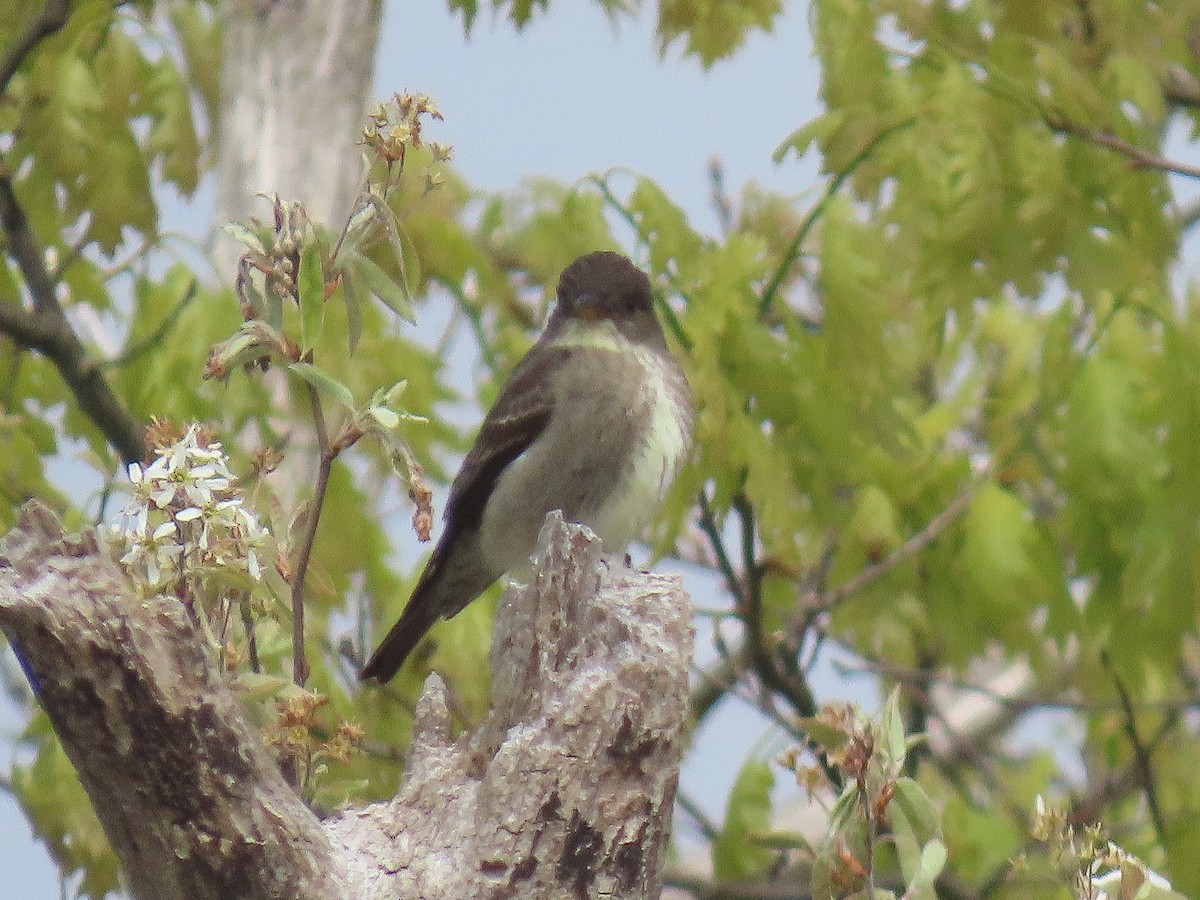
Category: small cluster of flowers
[396,126]
[185,517]
[1104,871]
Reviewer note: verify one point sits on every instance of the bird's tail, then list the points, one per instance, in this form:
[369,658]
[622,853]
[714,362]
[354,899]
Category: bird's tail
[455,575]
[417,618]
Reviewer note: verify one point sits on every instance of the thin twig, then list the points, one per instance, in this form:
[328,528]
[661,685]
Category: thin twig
[708,524]
[868,808]
[1142,159]
[52,17]
[715,682]
[787,682]
[902,554]
[154,338]
[718,196]
[793,251]
[324,467]
[706,826]
[1141,754]
[474,316]
[1022,702]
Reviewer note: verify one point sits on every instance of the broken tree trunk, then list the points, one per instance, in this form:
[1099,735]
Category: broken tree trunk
[565,790]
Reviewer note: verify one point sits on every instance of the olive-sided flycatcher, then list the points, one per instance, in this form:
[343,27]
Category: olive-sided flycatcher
[594,421]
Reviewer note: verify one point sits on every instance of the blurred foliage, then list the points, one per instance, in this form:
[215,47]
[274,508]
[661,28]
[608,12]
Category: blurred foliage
[953,406]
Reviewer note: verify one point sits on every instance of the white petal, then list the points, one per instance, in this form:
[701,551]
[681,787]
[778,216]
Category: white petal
[162,531]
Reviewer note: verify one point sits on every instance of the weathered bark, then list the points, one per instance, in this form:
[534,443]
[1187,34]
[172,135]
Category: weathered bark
[192,802]
[294,84]
[565,791]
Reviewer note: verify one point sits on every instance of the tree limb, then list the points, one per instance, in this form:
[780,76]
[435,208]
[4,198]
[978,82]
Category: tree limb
[834,597]
[46,329]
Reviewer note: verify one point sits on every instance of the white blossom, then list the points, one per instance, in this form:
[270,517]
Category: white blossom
[188,496]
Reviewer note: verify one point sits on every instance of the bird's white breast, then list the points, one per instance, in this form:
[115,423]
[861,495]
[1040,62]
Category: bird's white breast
[620,429]
[651,467]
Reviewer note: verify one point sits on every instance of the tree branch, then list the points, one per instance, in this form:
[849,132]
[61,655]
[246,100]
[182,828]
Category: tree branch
[1141,753]
[45,328]
[155,338]
[1181,87]
[1142,159]
[933,529]
[567,789]
[52,17]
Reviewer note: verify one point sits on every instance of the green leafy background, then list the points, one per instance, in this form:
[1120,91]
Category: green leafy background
[979,300]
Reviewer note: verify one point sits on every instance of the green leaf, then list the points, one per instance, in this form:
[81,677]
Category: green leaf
[783,840]
[312,296]
[827,736]
[387,418]
[392,294]
[261,685]
[844,809]
[254,339]
[172,137]
[393,394]
[324,382]
[933,860]
[244,235]
[663,224]
[873,524]
[818,130]
[735,853]
[895,745]
[914,826]
[469,9]
[997,550]
[199,39]
[713,29]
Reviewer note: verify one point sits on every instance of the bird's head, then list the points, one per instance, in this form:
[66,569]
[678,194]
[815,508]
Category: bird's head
[603,285]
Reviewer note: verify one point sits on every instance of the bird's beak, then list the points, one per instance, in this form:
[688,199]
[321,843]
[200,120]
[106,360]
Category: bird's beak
[588,308]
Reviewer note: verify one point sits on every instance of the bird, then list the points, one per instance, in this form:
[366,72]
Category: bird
[595,420]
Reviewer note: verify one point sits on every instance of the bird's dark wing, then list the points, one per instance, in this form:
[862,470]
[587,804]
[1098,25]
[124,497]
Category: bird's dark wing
[515,421]
[458,572]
